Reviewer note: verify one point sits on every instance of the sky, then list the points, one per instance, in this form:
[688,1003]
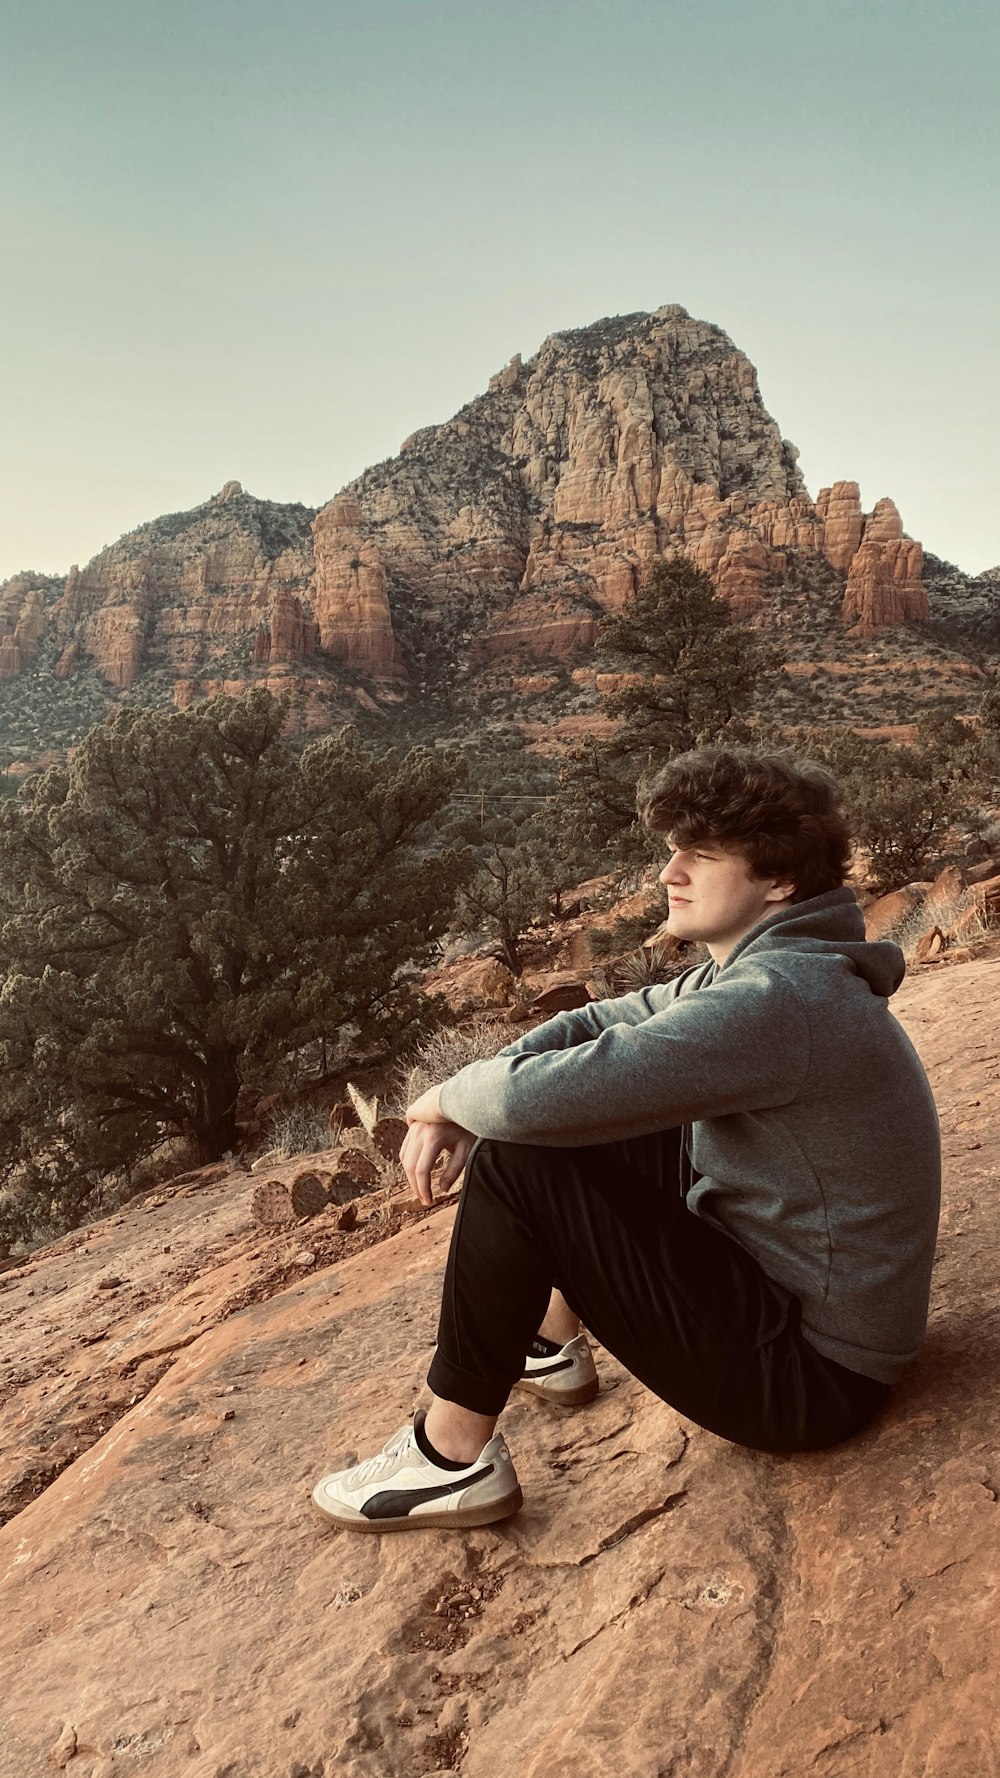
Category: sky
[262,242]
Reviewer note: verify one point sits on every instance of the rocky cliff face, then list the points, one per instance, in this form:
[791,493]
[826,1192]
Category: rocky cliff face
[490,543]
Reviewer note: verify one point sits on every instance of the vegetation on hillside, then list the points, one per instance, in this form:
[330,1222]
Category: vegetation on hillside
[192,915]
[689,676]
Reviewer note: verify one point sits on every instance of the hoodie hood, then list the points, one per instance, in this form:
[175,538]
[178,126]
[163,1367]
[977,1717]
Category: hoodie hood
[831,923]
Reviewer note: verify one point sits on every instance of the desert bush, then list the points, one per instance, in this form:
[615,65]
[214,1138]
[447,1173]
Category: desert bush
[443,1053]
[299,1129]
[642,968]
[942,913]
[629,930]
[190,909]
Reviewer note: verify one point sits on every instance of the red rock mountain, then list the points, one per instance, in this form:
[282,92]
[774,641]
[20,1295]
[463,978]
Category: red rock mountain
[491,544]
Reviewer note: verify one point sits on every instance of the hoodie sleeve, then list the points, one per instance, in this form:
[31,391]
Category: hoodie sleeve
[584,1023]
[740,1044]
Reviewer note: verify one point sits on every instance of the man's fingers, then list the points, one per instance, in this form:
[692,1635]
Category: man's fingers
[456,1165]
[422,1145]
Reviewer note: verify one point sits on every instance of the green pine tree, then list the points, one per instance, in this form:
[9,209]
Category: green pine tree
[191,914]
[692,677]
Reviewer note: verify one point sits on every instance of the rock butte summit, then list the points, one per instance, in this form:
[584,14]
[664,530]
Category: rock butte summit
[497,539]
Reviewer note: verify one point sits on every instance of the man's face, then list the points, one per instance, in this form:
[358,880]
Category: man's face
[714,899]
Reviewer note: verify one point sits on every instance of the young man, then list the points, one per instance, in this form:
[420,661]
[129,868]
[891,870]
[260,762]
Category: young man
[732,1180]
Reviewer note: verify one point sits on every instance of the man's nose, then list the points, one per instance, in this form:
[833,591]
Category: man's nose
[673,871]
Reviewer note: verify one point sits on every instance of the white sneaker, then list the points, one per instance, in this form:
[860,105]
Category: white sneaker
[568,1377]
[401,1490]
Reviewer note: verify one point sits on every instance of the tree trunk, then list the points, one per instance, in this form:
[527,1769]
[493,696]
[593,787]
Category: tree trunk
[215,1129]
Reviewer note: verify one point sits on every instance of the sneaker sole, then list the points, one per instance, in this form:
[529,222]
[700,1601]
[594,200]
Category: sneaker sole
[562,1398]
[462,1517]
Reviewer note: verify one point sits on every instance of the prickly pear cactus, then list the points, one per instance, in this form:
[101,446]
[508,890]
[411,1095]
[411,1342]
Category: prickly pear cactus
[271,1204]
[358,1167]
[310,1192]
[388,1136]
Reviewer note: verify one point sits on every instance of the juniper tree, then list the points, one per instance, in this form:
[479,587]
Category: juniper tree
[526,856]
[691,676]
[188,911]
[901,800]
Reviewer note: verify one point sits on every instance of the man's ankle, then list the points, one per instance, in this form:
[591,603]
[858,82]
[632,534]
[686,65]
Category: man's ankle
[455,1433]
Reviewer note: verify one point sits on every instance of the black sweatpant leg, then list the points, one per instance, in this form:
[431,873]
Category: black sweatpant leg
[685,1308]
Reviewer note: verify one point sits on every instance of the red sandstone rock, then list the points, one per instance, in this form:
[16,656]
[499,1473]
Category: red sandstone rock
[352,598]
[839,508]
[884,587]
[889,911]
[679,1599]
[515,525]
[561,993]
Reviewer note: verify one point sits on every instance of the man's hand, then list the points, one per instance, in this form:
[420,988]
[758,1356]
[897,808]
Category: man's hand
[427,1109]
[421,1147]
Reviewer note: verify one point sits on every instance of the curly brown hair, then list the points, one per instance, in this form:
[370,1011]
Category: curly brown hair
[783,814]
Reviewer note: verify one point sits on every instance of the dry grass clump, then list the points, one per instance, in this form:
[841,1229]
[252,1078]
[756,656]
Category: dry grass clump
[960,915]
[299,1129]
[445,1051]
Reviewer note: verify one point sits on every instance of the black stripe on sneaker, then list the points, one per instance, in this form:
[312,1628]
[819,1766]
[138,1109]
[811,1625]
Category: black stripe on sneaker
[549,1370]
[396,1503]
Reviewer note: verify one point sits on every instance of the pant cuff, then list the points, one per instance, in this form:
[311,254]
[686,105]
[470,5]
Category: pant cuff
[478,1394]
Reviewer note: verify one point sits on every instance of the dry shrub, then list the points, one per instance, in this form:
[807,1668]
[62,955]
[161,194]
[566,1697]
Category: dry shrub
[943,913]
[299,1129]
[445,1051]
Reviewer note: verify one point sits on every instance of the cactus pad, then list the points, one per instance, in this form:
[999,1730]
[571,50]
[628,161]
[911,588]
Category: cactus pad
[271,1204]
[309,1192]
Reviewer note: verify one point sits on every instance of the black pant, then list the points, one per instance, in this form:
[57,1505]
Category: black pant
[685,1308]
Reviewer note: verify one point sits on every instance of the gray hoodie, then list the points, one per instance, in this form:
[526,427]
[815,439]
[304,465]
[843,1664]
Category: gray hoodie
[813,1127]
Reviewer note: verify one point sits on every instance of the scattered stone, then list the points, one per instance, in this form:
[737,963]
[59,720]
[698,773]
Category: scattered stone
[65,1748]
[303,1258]
[347,1218]
[560,996]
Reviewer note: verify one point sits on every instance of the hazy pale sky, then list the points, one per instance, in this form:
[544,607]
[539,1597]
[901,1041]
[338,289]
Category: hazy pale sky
[265,242]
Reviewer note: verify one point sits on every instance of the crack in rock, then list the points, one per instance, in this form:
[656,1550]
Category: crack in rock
[635,1523]
[636,1600]
[767,1547]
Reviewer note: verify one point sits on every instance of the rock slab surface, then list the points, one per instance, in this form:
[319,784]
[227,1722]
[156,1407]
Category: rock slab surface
[664,1604]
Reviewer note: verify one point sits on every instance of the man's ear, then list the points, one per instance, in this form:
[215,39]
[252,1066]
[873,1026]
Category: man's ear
[780,892]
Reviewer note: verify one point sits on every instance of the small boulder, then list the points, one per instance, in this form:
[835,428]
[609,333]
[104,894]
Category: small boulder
[559,996]
[889,911]
[948,887]
[929,946]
